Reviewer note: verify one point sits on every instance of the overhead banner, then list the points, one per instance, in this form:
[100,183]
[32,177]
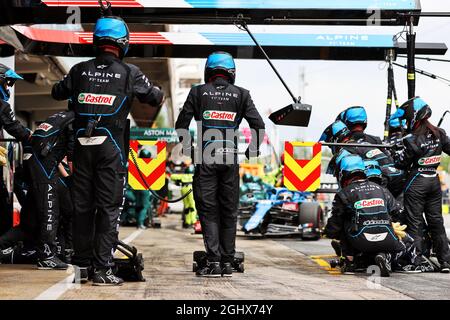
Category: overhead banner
[219,39]
[302,174]
[247,4]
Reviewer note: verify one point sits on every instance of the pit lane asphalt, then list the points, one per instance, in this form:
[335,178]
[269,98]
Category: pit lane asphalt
[275,269]
[416,286]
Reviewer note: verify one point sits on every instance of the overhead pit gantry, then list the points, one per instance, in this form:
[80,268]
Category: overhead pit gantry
[242,13]
[300,12]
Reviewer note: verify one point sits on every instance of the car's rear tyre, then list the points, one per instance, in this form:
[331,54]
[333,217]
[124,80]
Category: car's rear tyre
[311,213]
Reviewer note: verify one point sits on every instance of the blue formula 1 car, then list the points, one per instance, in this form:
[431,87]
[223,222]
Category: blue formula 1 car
[282,213]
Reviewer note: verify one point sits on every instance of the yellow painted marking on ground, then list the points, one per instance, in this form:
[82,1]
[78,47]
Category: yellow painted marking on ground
[320,260]
[330,256]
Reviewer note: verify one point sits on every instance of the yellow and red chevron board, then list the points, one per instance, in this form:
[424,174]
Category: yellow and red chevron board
[153,170]
[299,174]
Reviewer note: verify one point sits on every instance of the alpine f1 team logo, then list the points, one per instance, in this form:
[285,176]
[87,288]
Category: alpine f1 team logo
[429,161]
[370,203]
[44,127]
[219,115]
[97,99]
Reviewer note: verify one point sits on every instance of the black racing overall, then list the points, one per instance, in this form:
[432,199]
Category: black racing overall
[216,180]
[102,103]
[423,194]
[101,91]
[220,107]
[369,229]
[51,142]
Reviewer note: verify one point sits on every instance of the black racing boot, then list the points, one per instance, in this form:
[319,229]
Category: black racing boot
[52,263]
[410,268]
[211,270]
[227,269]
[106,277]
[445,267]
[383,262]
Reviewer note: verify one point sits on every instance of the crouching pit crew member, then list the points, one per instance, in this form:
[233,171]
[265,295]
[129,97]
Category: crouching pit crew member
[44,232]
[219,106]
[361,222]
[51,142]
[102,91]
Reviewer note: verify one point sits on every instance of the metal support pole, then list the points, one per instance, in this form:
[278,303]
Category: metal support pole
[411,48]
[245,27]
[332,144]
[389,58]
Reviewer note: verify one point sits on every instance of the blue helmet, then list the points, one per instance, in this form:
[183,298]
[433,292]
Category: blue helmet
[342,154]
[339,131]
[7,79]
[373,171]
[353,116]
[335,132]
[220,63]
[396,123]
[415,110]
[350,166]
[334,165]
[112,31]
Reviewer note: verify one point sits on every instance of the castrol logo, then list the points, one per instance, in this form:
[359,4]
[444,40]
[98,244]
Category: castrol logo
[373,153]
[429,161]
[97,99]
[219,115]
[370,203]
[44,127]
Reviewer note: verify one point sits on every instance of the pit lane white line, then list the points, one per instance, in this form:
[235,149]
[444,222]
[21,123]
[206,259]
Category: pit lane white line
[57,290]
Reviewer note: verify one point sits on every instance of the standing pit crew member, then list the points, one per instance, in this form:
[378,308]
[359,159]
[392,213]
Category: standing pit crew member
[423,195]
[7,80]
[219,106]
[102,91]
